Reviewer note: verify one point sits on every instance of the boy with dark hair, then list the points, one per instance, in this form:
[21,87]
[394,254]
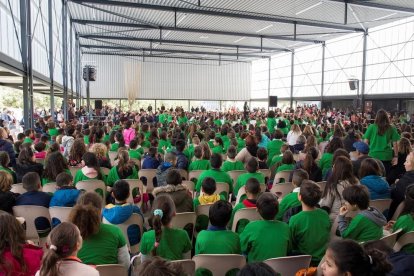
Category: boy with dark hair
[66,194]
[135,151]
[231,164]
[262,158]
[258,240]
[29,136]
[291,200]
[182,161]
[368,224]
[40,150]
[252,189]
[208,196]
[216,173]
[217,239]
[252,167]
[310,229]
[199,163]
[151,160]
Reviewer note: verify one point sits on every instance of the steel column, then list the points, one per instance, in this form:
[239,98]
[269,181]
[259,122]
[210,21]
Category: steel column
[292,76]
[71,59]
[364,69]
[323,72]
[268,84]
[65,57]
[77,75]
[51,59]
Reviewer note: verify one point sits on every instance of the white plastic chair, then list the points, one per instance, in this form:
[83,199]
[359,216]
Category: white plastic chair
[18,188]
[288,266]
[391,239]
[242,192]
[235,175]
[381,204]
[190,186]
[250,214]
[407,238]
[74,170]
[281,189]
[149,175]
[194,175]
[60,213]
[134,185]
[283,175]
[267,174]
[184,174]
[219,264]
[50,188]
[112,156]
[181,220]
[30,213]
[93,185]
[111,270]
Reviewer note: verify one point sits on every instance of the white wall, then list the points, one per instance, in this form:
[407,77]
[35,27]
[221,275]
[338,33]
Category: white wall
[170,78]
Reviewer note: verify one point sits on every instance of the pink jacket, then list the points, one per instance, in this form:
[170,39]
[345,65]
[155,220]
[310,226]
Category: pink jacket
[129,135]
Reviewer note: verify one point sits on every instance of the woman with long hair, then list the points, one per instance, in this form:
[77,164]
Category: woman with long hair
[382,138]
[370,176]
[60,258]
[26,162]
[125,169]
[397,170]
[249,151]
[55,164]
[309,164]
[17,257]
[164,240]
[293,135]
[76,152]
[342,176]
[7,198]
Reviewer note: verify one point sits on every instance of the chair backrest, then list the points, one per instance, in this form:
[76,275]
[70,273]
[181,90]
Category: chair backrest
[250,214]
[136,188]
[92,185]
[381,204]
[136,161]
[112,269]
[235,174]
[112,156]
[203,209]
[194,175]
[223,188]
[281,189]
[59,213]
[190,186]
[288,266]
[267,173]
[188,266]
[180,220]
[18,188]
[184,174]
[391,239]
[50,188]
[30,213]
[105,170]
[398,211]
[133,242]
[74,170]
[407,238]
[283,175]
[147,177]
[219,264]
[322,185]
[242,192]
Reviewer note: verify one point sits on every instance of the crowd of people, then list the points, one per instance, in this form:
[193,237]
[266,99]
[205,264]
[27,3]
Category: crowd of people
[358,158]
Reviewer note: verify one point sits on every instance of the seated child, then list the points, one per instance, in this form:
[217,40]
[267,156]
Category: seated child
[217,239]
[310,229]
[278,158]
[199,163]
[90,169]
[258,240]
[7,198]
[125,169]
[135,151]
[66,194]
[290,204]
[151,160]
[4,165]
[287,163]
[262,158]
[40,150]
[231,164]
[252,171]
[252,189]
[121,211]
[367,224]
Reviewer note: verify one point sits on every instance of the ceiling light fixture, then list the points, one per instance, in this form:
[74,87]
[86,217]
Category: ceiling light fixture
[262,29]
[309,8]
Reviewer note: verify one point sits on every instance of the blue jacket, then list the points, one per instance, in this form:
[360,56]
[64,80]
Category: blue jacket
[377,186]
[150,162]
[117,214]
[34,198]
[65,197]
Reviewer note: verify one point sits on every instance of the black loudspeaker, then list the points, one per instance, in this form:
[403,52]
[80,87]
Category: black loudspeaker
[272,101]
[98,104]
[353,84]
[92,73]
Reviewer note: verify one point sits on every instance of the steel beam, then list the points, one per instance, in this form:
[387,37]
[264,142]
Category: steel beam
[292,77]
[51,59]
[373,4]
[323,72]
[192,30]
[65,57]
[181,42]
[364,70]
[169,51]
[230,14]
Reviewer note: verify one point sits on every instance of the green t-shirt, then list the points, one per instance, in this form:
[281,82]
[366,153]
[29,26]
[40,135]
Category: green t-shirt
[362,229]
[285,167]
[289,201]
[271,123]
[232,166]
[163,144]
[135,153]
[102,248]
[310,232]
[242,179]
[276,159]
[173,244]
[259,241]
[217,242]
[273,149]
[86,139]
[46,180]
[406,223]
[201,164]
[113,175]
[217,149]
[13,174]
[27,140]
[218,175]
[53,132]
[380,146]
[326,163]
[114,147]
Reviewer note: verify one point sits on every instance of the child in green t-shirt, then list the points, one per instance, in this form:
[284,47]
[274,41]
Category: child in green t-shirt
[135,151]
[368,224]
[199,163]
[277,159]
[252,167]
[157,242]
[310,228]
[217,239]
[258,240]
[287,162]
[252,189]
[231,164]
[290,204]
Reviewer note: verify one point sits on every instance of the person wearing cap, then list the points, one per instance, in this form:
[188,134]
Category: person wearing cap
[362,150]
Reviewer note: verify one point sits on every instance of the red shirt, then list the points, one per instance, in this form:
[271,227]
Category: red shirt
[32,257]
